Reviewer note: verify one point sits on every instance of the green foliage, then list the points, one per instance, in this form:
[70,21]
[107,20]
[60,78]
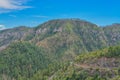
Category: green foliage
[49,73]
[108,52]
[22,59]
[114,51]
[88,56]
[59,42]
[98,70]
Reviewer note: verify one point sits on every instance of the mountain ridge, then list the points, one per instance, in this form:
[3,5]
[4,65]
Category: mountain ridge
[47,52]
[76,27]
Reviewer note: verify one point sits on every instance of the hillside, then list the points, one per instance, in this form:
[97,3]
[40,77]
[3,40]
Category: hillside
[69,37]
[22,59]
[112,33]
[61,49]
[15,34]
[98,65]
[25,61]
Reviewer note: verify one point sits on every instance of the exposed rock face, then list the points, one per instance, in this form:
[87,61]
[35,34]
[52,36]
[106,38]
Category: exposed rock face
[11,35]
[113,34]
[49,51]
[75,34]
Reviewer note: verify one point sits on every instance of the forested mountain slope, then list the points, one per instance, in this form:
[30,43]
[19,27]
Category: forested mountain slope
[98,65]
[47,51]
[10,35]
[88,35]
[22,59]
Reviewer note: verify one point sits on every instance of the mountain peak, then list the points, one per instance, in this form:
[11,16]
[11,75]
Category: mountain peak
[70,20]
[56,23]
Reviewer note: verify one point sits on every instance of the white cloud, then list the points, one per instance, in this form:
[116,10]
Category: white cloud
[2,27]
[8,5]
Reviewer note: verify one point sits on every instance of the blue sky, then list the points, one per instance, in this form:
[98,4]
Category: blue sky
[15,13]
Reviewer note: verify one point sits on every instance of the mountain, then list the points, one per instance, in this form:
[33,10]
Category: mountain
[98,65]
[10,35]
[87,34]
[71,33]
[22,59]
[64,37]
[47,52]
[112,33]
